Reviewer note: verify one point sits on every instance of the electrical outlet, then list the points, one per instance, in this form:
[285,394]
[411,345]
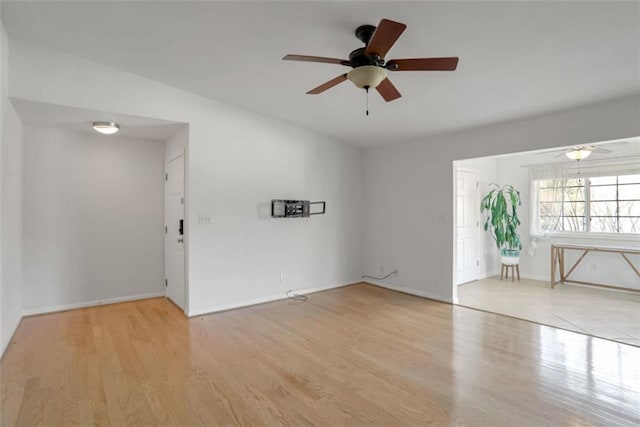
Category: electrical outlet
[282,277]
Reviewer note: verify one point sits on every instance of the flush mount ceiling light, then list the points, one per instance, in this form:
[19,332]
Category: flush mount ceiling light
[579,153]
[106,128]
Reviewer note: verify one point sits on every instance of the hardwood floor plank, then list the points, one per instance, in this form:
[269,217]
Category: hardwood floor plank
[359,355]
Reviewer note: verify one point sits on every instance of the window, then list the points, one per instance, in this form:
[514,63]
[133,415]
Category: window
[597,204]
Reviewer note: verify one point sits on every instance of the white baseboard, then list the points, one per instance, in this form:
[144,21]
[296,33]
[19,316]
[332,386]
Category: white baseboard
[84,304]
[411,291]
[261,300]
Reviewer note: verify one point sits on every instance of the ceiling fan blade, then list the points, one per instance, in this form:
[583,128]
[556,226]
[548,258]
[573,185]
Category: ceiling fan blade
[602,150]
[388,90]
[328,85]
[307,58]
[614,144]
[559,155]
[385,35]
[423,64]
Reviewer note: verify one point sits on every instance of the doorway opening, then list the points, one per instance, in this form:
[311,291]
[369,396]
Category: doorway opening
[578,267]
[94,206]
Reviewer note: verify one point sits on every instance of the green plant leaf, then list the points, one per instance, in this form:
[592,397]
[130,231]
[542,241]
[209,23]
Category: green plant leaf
[500,205]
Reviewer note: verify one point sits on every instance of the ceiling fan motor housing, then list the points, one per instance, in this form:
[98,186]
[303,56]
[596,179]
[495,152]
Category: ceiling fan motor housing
[364,33]
[358,58]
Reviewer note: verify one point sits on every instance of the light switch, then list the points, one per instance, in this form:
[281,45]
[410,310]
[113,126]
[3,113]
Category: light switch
[205,219]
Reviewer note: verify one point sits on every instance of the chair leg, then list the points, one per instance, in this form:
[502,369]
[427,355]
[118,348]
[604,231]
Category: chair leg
[518,270]
[513,273]
[502,272]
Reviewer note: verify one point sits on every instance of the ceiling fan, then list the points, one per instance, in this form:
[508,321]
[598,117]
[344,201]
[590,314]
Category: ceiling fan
[369,65]
[581,152]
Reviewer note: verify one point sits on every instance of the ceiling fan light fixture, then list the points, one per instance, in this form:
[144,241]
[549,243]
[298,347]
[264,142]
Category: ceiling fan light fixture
[106,128]
[367,76]
[578,154]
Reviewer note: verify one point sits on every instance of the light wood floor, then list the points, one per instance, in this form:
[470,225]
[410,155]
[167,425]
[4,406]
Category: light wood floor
[358,355]
[598,312]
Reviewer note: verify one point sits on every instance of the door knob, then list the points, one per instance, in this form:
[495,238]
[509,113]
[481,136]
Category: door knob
[180,239]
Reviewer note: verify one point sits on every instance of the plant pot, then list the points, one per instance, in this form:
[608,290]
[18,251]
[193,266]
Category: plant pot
[510,256]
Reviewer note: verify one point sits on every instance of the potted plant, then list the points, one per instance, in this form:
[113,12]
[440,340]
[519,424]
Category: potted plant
[501,205]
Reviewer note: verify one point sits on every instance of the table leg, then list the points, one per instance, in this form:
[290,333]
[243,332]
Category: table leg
[553,266]
[561,262]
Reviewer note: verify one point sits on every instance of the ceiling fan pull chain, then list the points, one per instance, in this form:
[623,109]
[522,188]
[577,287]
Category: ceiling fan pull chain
[366,88]
[579,177]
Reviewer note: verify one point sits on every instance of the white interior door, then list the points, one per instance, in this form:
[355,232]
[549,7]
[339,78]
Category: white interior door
[174,236]
[467,223]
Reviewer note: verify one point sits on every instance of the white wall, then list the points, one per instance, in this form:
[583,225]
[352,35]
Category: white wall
[596,267]
[409,187]
[241,256]
[237,162]
[10,210]
[93,218]
[487,251]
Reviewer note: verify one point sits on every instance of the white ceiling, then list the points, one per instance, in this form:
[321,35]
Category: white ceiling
[80,120]
[516,58]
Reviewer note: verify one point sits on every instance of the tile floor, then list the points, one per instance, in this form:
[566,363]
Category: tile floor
[598,312]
